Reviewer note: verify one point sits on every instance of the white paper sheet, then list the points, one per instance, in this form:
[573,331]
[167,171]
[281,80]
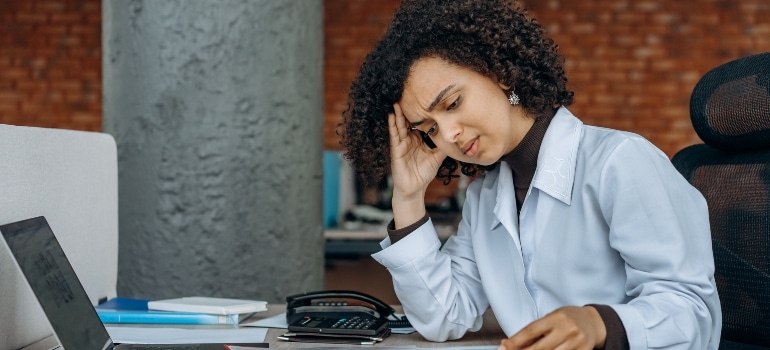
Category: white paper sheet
[406,330]
[158,335]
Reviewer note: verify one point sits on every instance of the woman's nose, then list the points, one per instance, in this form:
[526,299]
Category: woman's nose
[450,132]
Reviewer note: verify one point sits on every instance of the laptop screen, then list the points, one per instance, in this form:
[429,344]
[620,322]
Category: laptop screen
[49,273]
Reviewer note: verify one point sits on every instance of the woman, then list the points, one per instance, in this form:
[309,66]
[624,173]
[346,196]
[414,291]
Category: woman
[577,237]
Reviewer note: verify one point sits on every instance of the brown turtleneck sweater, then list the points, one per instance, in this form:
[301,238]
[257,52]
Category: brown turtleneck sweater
[523,163]
[523,158]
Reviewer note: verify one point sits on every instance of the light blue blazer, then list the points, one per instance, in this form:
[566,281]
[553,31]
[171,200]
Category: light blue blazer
[607,220]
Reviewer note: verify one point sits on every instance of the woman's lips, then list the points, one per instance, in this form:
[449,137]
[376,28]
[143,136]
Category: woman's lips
[471,149]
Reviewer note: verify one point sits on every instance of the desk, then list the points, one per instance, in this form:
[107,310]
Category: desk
[490,334]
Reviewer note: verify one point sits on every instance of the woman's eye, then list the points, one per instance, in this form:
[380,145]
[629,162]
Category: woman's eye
[432,130]
[454,104]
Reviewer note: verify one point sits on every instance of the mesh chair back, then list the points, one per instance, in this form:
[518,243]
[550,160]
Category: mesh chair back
[730,111]
[730,105]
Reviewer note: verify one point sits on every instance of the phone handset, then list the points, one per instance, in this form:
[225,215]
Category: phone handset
[428,141]
[305,299]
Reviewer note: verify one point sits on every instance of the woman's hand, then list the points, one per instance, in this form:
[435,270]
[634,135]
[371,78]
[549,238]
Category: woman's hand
[413,166]
[569,327]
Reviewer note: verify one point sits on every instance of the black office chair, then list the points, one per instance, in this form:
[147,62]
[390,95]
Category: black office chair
[730,111]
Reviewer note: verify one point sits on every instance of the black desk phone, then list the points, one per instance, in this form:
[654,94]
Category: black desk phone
[341,312]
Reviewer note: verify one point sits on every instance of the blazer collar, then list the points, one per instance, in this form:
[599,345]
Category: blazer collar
[505,202]
[555,173]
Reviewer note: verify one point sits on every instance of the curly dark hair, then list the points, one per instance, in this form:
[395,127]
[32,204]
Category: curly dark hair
[495,38]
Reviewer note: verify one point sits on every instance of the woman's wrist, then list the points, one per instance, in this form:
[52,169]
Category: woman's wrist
[407,211]
[598,326]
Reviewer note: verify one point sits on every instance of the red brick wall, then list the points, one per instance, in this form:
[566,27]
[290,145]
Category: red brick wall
[632,64]
[50,63]
[351,29]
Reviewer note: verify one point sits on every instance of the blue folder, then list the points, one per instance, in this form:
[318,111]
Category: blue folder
[135,311]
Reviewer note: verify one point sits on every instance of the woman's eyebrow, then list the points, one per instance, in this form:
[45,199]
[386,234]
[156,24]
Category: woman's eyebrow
[416,124]
[439,97]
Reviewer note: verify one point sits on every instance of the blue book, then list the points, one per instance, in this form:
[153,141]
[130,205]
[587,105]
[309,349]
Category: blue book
[129,310]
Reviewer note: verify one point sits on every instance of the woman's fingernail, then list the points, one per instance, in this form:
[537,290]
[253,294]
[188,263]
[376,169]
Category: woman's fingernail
[500,347]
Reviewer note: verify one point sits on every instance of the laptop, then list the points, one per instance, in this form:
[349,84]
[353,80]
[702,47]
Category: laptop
[65,303]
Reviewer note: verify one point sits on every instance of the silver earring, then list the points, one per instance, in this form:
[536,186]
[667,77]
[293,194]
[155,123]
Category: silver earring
[513,99]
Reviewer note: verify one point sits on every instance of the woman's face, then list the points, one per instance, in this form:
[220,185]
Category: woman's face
[466,114]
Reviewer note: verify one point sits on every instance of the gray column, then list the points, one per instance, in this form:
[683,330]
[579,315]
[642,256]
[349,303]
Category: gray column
[217,109]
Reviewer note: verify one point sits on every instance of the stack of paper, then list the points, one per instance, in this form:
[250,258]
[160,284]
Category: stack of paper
[208,305]
[193,310]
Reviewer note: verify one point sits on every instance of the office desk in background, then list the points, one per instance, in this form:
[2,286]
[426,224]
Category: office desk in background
[351,243]
[489,335]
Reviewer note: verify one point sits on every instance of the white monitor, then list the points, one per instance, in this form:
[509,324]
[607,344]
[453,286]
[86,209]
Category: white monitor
[71,178]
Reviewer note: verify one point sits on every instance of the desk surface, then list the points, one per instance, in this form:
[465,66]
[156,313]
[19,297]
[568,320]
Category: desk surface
[489,335]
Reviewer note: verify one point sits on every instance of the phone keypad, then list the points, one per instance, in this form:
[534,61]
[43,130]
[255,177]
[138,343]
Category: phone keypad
[354,323]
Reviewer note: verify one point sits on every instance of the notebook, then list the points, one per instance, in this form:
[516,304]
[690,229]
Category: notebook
[65,303]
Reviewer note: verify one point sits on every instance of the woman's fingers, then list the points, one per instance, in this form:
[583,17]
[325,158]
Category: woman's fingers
[403,130]
[399,132]
[393,130]
[525,337]
[568,327]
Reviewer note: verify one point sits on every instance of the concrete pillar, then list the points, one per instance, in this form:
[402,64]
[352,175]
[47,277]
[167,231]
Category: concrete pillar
[217,110]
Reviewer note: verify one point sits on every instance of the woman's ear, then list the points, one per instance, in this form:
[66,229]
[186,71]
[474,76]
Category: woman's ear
[503,86]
